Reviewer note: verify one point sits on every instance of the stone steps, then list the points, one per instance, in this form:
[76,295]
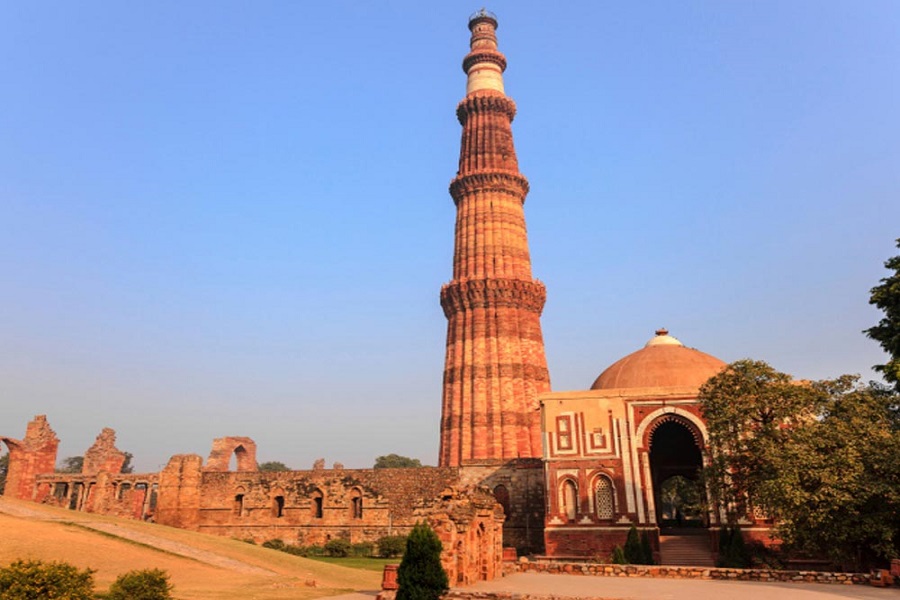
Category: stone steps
[685,551]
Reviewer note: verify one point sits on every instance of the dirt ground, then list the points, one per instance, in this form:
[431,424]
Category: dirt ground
[201,567]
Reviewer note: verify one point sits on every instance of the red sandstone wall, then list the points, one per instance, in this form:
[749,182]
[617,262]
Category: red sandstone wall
[30,457]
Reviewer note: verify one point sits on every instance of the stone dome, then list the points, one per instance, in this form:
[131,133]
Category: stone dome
[662,362]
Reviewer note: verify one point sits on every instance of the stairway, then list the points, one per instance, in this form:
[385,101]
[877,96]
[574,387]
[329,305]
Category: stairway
[685,551]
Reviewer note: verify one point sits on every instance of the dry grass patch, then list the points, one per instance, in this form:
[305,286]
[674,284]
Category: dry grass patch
[58,534]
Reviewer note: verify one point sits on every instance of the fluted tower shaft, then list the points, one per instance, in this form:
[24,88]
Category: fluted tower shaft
[495,363]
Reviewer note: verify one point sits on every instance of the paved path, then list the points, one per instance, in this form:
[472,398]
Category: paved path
[642,588]
[148,539]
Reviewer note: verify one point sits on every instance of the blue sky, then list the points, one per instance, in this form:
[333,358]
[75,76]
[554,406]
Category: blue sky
[230,218]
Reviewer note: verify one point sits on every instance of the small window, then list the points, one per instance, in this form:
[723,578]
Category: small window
[278,507]
[318,504]
[239,505]
[501,494]
[356,508]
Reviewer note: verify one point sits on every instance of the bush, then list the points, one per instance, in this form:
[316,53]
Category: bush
[363,549]
[421,575]
[35,580]
[732,551]
[633,552]
[338,547]
[147,584]
[390,546]
[618,556]
[646,550]
[274,545]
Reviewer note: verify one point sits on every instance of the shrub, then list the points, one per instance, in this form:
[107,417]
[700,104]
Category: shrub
[338,547]
[618,556]
[147,584]
[363,549]
[274,544]
[421,575]
[390,546]
[732,551]
[34,580]
[646,550]
[633,552]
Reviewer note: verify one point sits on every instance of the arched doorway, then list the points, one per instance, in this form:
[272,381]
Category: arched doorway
[676,459]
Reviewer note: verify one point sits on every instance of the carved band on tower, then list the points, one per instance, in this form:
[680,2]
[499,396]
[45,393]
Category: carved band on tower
[495,364]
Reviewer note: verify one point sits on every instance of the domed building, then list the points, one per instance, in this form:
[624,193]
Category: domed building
[611,453]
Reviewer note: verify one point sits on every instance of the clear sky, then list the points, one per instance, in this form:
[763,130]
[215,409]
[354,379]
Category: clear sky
[231,218]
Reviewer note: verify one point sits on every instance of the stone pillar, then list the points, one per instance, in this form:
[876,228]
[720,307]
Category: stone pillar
[178,503]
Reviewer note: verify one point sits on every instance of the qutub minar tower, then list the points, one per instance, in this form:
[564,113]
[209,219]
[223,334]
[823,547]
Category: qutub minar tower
[495,364]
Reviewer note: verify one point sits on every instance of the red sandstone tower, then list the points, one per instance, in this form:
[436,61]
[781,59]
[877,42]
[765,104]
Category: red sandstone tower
[495,364]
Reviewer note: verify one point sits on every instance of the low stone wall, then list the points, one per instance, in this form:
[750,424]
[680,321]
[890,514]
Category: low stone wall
[603,570]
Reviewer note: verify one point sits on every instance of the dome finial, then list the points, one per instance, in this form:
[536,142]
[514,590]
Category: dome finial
[662,331]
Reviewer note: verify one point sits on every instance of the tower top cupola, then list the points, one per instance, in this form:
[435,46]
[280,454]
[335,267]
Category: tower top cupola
[484,64]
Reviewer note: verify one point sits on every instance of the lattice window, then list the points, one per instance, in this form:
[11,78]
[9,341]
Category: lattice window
[606,507]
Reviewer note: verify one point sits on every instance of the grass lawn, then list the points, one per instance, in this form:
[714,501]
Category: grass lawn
[356,562]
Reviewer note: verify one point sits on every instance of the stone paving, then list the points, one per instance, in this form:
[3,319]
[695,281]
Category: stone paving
[569,586]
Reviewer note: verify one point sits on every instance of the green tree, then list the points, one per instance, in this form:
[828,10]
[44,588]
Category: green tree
[836,489]
[273,465]
[733,552]
[146,584]
[72,464]
[746,408]
[338,547]
[632,548]
[4,469]
[618,556]
[421,575]
[36,580]
[887,333]
[390,546]
[127,467]
[395,461]
[818,457]
[646,550]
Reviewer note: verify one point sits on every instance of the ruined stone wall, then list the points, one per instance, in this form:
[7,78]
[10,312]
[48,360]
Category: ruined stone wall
[522,482]
[469,523]
[298,507]
[30,457]
[103,456]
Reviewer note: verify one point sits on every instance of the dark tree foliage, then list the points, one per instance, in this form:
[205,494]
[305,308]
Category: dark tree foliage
[633,552]
[646,550]
[34,580]
[273,465]
[745,407]
[127,467]
[391,546]
[72,464]
[395,461]
[818,457]
[147,584]
[421,575]
[618,556]
[4,468]
[733,552]
[887,333]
